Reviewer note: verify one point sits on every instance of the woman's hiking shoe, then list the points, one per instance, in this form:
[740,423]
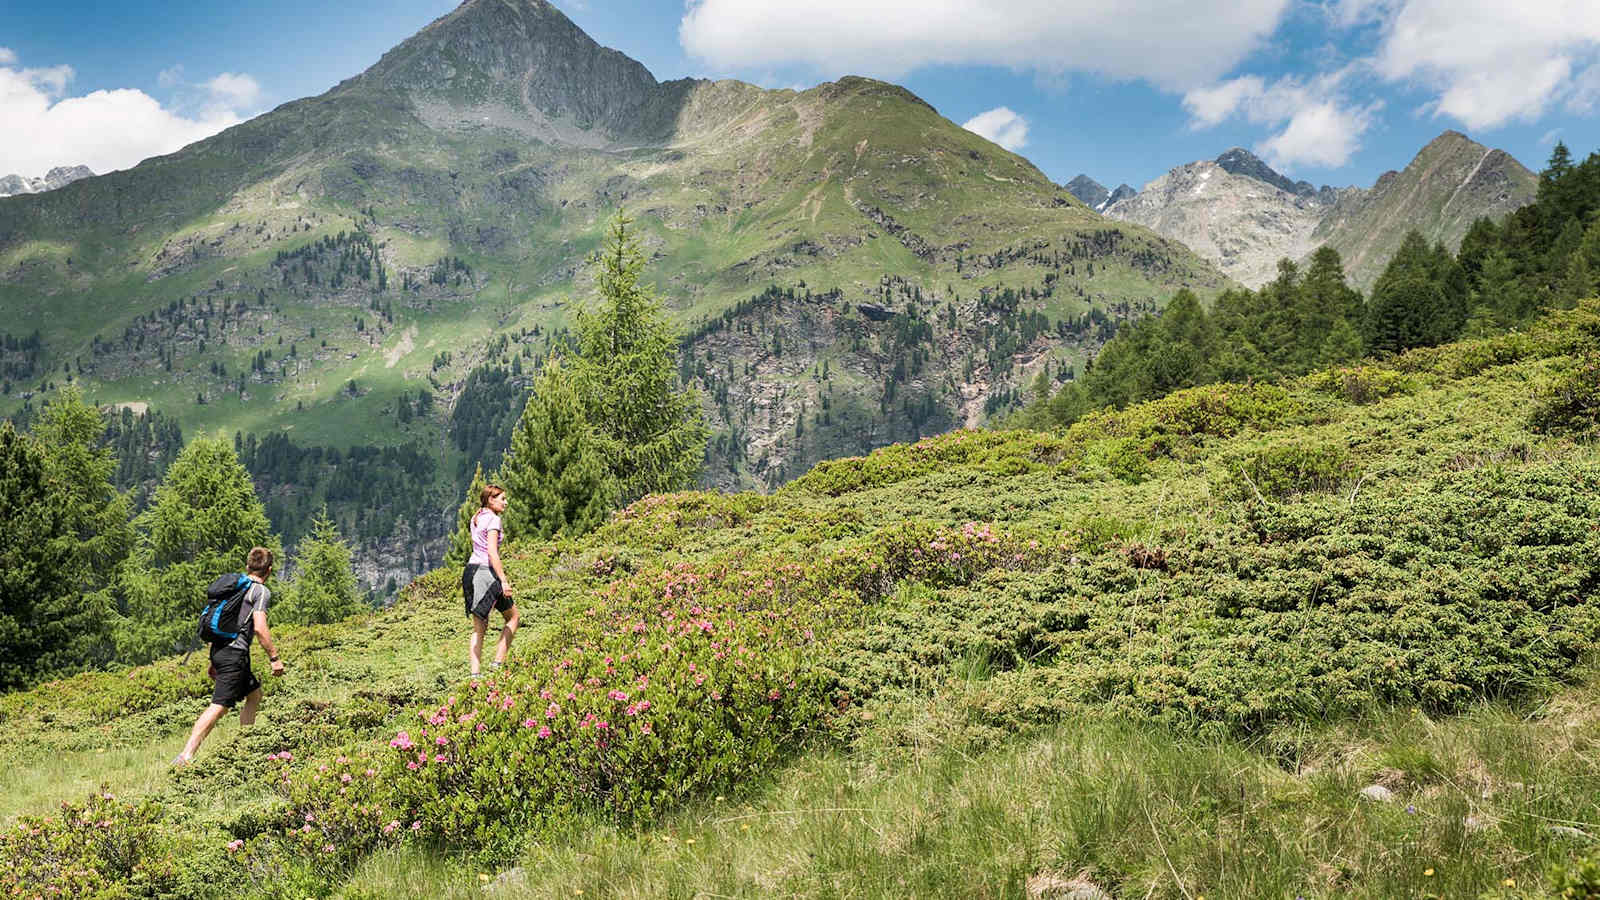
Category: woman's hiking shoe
[180,761]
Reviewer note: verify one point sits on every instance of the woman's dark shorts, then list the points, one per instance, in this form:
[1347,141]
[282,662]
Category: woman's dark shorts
[481,591]
[235,681]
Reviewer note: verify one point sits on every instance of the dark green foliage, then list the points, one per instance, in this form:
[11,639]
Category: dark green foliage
[556,469]
[461,537]
[324,586]
[45,623]
[1420,300]
[367,490]
[1296,323]
[94,513]
[202,522]
[652,431]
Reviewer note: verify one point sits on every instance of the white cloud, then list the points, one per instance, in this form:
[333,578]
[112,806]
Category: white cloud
[234,90]
[1002,126]
[1585,91]
[1322,134]
[1490,61]
[106,129]
[170,77]
[8,56]
[1211,106]
[1315,124]
[1171,43]
[1549,137]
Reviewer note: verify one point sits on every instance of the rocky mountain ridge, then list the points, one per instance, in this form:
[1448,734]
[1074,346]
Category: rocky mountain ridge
[60,176]
[1242,216]
[1095,195]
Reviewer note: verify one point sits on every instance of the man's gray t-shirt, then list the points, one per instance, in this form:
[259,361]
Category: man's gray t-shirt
[259,597]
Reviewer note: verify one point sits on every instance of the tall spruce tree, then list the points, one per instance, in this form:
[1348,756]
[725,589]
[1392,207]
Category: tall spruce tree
[96,514]
[653,432]
[45,624]
[556,470]
[324,587]
[202,521]
[461,538]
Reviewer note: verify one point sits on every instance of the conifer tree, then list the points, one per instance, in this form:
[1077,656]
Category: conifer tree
[556,470]
[202,521]
[44,625]
[96,515]
[324,587]
[653,432]
[461,538]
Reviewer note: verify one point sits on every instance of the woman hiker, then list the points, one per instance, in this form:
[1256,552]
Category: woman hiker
[484,585]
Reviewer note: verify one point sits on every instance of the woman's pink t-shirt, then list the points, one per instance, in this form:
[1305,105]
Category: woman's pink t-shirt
[484,522]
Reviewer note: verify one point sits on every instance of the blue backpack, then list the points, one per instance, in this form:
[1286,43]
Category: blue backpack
[220,619]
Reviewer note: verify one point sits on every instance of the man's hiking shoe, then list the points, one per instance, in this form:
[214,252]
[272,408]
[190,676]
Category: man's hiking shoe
[180,761]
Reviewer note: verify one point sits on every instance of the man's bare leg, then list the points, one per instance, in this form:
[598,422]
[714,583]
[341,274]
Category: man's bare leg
[202,727]
[247,715]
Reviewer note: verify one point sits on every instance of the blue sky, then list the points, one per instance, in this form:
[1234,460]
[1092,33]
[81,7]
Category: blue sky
[1333,92]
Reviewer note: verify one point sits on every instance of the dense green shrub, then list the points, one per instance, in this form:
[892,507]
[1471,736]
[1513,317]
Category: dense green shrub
[997,452]
[1360,385]
[1571,402]
[1285,470]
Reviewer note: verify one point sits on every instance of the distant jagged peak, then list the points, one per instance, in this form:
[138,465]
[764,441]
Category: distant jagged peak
[1091,192]
[1239,161]
[1123,192]
[59,176]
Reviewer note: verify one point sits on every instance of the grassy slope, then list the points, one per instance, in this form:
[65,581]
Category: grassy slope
[970,768]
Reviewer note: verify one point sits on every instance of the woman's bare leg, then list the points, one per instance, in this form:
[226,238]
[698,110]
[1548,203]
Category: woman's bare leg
[480,626]
[513,619]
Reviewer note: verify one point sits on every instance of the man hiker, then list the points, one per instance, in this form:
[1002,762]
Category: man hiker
[230,662]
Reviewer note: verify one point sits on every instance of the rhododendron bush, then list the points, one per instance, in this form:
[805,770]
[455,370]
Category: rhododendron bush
[675,682]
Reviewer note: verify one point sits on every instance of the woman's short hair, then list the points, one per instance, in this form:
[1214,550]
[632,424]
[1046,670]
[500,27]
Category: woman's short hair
[259,562]
[489,492]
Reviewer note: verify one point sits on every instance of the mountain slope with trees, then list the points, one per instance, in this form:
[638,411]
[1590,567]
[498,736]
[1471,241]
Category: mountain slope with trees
[388,265]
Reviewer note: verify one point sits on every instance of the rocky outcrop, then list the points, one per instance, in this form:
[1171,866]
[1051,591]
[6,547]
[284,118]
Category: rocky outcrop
[60,176]
[1241,215]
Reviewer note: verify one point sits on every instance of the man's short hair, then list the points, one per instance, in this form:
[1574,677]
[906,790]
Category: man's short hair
[259,562]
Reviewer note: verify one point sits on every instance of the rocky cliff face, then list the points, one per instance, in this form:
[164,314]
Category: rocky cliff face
[1244,217]
[60,176]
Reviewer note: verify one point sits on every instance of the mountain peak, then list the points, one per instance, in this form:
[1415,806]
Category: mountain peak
[1091,192]
[520,64]
[1239,161]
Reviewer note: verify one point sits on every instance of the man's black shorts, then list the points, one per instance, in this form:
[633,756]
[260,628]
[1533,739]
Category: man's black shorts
[235,681]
